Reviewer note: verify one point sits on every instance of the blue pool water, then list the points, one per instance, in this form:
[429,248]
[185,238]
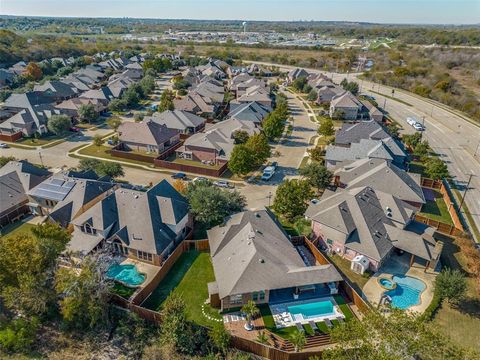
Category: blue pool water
[127,274]
[386,283]
[407,293]
[312,310]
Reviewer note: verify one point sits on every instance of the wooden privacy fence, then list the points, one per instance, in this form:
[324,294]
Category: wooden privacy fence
[199,245]
[213,172]
[442,186]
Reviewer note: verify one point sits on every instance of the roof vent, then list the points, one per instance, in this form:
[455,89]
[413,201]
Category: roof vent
[257,215]
[261,261]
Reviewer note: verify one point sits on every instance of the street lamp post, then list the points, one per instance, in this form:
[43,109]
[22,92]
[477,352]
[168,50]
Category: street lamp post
[41,159]
[465,193]
[269,198]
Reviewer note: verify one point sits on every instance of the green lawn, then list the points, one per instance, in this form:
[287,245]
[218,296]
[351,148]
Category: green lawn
[101,152]
[195,163]
[17,228]
[357,280]
[437,210]
[189,278]
[44,140]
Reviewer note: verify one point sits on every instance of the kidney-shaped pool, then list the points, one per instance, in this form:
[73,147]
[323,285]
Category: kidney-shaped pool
[407,292]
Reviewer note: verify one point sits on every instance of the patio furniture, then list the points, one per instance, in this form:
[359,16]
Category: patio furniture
[299,327]
[328,322]
[313,325]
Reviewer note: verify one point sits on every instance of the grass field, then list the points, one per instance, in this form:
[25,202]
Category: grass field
[189,278]
[44,140]
[18,228]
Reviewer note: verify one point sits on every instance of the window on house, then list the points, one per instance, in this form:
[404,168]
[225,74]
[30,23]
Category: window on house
[255,296]
[144,255]
[236,299]
[87,228]
[261,295]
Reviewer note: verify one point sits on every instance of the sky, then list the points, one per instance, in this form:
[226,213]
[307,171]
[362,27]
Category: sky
[380,11]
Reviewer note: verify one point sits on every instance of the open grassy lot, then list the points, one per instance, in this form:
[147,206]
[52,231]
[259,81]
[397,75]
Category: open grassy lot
[17,228]
[189,278]
[437,210]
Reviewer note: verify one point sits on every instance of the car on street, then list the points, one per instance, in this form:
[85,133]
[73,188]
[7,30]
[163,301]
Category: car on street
[274,165]
[223,184]
[3,146]
[419,127]
[411,121]
[200,179]
[268,173]
[179,175]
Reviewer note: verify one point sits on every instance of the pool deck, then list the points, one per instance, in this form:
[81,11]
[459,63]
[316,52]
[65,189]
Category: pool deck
[399,265]
[148,270]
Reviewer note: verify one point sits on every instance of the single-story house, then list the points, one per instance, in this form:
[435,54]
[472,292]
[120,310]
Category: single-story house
[251,111]
[57,90]
[366,222]
[70,107]
[254,259]
[183,121]
[147,136]
[145,226]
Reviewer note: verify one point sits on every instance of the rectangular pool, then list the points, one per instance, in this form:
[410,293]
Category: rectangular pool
[312,310]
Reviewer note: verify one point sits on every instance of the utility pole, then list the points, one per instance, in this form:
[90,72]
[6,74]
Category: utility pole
[385,103]
[465,193]
[269,198]
[41,159]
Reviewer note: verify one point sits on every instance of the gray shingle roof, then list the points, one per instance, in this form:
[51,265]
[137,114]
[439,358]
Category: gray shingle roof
[365,148]
[251,111]
[145,132]
[177,119]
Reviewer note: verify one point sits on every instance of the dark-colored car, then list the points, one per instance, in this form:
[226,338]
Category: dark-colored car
[75,129]
[274,165]
[179,175]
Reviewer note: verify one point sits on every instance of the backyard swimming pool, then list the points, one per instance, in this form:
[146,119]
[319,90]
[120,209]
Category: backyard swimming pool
[126,274]
[407,292]
[312,310]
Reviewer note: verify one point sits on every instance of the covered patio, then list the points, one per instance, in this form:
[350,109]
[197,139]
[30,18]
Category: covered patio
[301,293]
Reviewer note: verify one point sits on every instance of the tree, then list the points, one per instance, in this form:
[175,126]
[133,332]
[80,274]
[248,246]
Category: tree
[117,105]
[4,160]
[250,310]
[84,293]
[291,198]
[87,113]
[18,335]
[317,154]
[298,340]
[326,127]
[435,168]
[273,126]
[317,175]
[400,335]
[102,168]
[33,71]
[451,285]
[350,86]
[220,337]
[181,186]
[412,140]
[89,164]
[312,95]
[210,205]
[147,84]
[166,101]
[240,136]
[114,123]
[299,83]
[260,148]
[59,124]
[98,140]
[27,264]
[392,129]
[241,160]
[421,149]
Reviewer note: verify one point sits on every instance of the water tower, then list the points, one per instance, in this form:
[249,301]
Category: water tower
[244,24]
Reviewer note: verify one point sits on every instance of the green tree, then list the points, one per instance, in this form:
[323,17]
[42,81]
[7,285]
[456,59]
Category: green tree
[412,140]
[166,101]
[317,154]
[273,125]
[260,148]
[59,124]
[84,293]
[89,164]
[4,160]
[117,105]
[312,95]
[291,198]
[112,169]
[27,262]
[298,340]
[210,205]
[220,337]
[147,84]
[299,83]
[250,310]
[18,335]
[326,127]
[240,136]
[114,123]
[451,285]
[241,160]
[435,168]
[87,113]
[317,175]
[422,149]
[98,140]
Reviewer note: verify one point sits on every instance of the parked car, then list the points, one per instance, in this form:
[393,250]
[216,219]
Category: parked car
[268,173]
[314,201]
[75,129]
[223,184]
[179,175]
[200,179]
[419,127]
[3,146]
[411,121]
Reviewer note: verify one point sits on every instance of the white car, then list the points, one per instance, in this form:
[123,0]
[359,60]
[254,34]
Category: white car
[223,184]
[411,121]
[3,146]
[419,127]
[268,173]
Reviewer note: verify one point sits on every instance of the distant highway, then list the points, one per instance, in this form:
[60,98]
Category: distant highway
[451,134]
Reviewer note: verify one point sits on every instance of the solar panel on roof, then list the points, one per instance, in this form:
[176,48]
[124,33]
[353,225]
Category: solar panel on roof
[57,182]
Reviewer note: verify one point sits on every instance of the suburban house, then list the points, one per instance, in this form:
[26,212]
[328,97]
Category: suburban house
[296,73]
[254,259]
[6,78]
[327,93]
[57,90]
[104,95]
[215,144]
[252,111]
[183,121]
[347,107]
[372,130]
[147,136]
[318,81]
[70,107]
[375,113]
[17,178]
[145,226]
[241,88]
[382,175]
[366,222]
[196,104]
[256,94]
[62,197]
[209,90]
